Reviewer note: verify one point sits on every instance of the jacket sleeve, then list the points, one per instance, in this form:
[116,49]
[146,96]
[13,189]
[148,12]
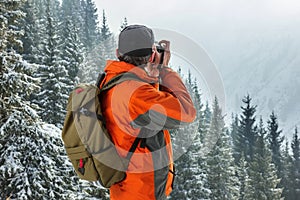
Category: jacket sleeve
[169,107]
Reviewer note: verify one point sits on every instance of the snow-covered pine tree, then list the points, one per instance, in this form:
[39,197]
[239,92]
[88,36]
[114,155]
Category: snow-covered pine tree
[55,84]
[71,47]
[104,29]
[234,128]
[90,34]
[247,132]
[98,52]
[242,175]
[30,38]
[72,54]
[123,24]
[190,171]
[275,140]
[31,159]
[198,189]
[107,39]
[93,64]
[294,171]
[207,114]
[286,163]
[34,26]
[199,107]
[263,181]
[221,171]
[11,64]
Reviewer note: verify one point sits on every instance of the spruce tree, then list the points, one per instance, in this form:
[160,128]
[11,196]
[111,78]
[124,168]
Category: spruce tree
[124,24]
[30,25]
[90,34]
[242,175]
[190,171]
[12,69]
[31,153]
[275,141]
[286,163]
[72,13]
[102,50]
[247,132]
[234,133]
[294,172]
[207,115]
[221,180]
[263,181]
[72,51]
[107,39]
[55,84]
[104,30]
[199,107]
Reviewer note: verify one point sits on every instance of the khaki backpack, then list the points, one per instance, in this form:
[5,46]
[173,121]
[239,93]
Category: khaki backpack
[87,142]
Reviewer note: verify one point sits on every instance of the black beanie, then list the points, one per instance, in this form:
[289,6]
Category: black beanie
[136,40]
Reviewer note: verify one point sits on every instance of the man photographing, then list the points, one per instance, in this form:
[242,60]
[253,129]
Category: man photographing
[145,108]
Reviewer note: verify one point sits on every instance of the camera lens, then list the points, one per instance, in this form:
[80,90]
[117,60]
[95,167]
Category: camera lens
[160,49]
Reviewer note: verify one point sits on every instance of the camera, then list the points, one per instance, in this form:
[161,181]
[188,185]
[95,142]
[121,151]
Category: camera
[161,50]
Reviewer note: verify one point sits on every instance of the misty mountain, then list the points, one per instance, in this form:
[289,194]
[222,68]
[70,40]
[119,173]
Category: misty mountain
[265,65]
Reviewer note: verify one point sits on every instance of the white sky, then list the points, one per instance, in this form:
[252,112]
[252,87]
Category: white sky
[190,17]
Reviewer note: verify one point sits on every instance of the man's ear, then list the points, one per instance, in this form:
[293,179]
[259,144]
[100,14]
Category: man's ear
[117,53]
[152,58]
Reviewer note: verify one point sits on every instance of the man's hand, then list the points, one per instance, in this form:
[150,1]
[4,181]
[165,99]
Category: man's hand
[167,54]
[153,68]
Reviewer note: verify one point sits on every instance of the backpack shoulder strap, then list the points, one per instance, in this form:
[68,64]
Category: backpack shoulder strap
[110,84]
[116,80]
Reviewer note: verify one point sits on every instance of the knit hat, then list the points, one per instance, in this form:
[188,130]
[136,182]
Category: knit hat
[136,40]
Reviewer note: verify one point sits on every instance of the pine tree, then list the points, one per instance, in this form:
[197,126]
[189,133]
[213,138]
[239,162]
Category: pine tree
[104,30]
[190,167]
[247,132]
[40,173]
[221,180]
[90,31]
[286,163]
[35,30]
[30,26]
[263,181]
[71,47]
[31,155]
[275,141]
[234,133]
[72,13]
[95,59]
[107,39]
[55,86]
[124,24]
[198,106]
[294,172]
[207,115]
[242,175]
[93,64]
[12,69]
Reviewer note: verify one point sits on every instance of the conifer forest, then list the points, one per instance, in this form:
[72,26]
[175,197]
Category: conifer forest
[49,46]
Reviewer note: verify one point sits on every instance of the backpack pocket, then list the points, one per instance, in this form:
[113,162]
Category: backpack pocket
[83,163]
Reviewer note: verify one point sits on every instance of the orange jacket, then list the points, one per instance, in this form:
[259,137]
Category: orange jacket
[145,109]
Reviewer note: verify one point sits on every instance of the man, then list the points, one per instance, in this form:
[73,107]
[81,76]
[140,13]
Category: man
[144,108]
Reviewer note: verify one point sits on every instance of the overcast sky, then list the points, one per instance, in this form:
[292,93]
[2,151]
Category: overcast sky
[194,17]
